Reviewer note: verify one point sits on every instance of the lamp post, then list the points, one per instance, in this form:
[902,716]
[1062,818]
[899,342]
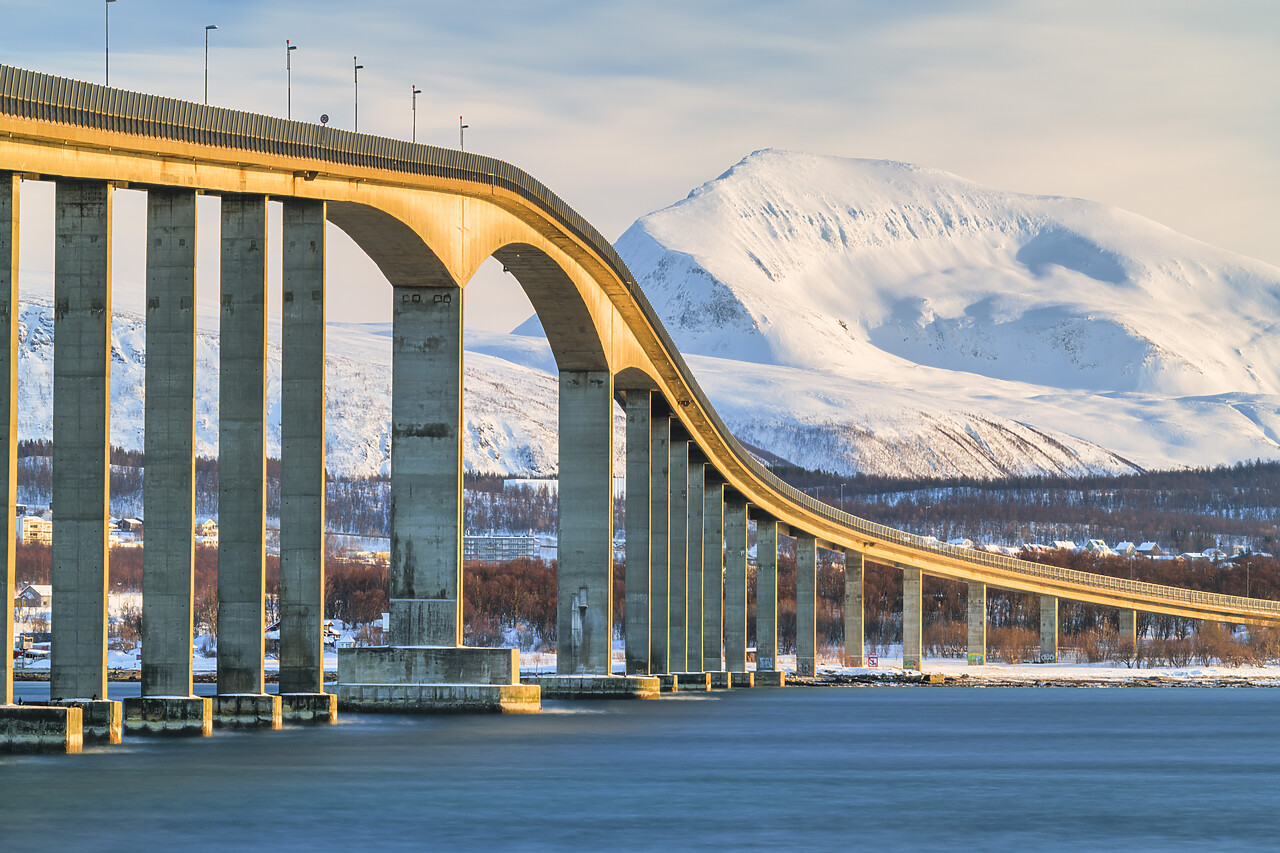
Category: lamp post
[288,70]
[107,39]
[462,129]
[206,60]
[357,67]
[416,93]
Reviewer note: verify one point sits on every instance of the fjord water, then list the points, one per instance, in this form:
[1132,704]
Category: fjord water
[969,768]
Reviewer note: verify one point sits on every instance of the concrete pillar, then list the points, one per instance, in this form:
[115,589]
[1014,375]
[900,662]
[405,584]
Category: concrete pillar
[168,496]
[8,412]
[806,604]
[735,586]
[241,450]
[584,583]
[81,429]
[912,619]
[977,606]
[677,657]
[639,409]
[712,571]
[659,546]
[302,427]
[1129,628]
[697,495]
[855,638]
[426,467]
[1048,629]
[766,595]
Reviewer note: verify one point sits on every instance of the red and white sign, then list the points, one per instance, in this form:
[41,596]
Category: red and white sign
[873,661]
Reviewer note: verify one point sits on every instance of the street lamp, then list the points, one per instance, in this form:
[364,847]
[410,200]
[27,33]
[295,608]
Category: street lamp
[206,60]
[354,60]
[288,70]
[462,128]
[416,93]
[107,35]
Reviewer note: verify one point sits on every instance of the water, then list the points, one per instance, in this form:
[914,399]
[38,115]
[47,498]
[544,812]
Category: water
[1001,768]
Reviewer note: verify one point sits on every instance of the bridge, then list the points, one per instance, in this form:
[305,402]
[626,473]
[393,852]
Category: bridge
[428,217]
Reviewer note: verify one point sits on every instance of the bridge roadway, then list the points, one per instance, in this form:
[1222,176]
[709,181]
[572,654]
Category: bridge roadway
[428,217]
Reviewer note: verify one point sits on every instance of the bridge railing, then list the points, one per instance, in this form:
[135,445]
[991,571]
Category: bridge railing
[32,95]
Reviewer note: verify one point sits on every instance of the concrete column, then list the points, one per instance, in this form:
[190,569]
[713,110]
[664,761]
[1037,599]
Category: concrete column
[855,639]
[977,606]
[426,466]
[697,495]
[8,411]
[1048,629]
[639,408]
[1129,628]
[302,428]
[584,582]
[735,586]
[81,430]
[242,468]
[677,658]
[912,619]
[712,571]
[168,496]
[659,546]
[767,595]
[806,604]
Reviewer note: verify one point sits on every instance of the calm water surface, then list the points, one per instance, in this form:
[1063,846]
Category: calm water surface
[950,768]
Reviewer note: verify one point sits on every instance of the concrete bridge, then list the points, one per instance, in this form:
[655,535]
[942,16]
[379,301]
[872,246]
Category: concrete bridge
[428,217]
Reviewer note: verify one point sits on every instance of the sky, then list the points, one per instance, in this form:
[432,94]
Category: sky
[1169,108]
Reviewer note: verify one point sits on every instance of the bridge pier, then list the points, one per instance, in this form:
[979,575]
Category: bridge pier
[9,195]
[766,595]
[712,572]
[1129,629]
[912,619]
[639,410]
[678,537]
[806,604]
[735,585]
[694,606]
[977,612]
[659,546]
[854,630]
[1048,629]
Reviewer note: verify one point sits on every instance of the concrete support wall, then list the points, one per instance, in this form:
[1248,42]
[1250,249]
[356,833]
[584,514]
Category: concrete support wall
[735,586]
[1048,629]
[697,495]
[659,546]
[302,425]
[584,582]
[168,496]
[977,607]
[912,619]
[639,409]
[766,595]
[81,429]
[426,466]
[241,449]
[712,572]
[677,657]
[1129,628]
[855,638]
[806,604]
[8,412]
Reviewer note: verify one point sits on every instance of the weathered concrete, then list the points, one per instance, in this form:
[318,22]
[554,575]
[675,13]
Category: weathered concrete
[806,604]
[735,586]
[426,467]
[81,429]
[720,679]
[428,665]
[766,595]
[101,719]
[189,716]
[912,619]
[441,698]
[308,707]
[678,537]
[977,619]
[712,572]
[694,609]
[242,470]
[667,682]
[40,729]
[9,436]
[246,711]
[1129,628]
[1048,629]
[693,682]
[770,678]
[637,631]
[659,546]
[168,490]
[855,640]
[302,469]
[584,580]
[595,686]
[742,679]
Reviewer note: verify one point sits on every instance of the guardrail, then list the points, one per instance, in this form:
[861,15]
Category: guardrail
[42,97]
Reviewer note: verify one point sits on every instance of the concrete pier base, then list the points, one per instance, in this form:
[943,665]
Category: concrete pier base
[693,682]
[441,698]
[40,728]
[434,679]
[101,720]
[770,678]
[667,682]
[180,716]
[596,686]
[742,679]
[721,680]
[309,707]
[246,711]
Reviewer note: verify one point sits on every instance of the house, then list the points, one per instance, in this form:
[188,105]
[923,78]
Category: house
[1098,548]
[1215,554]
[1125,549]
[36,530]
[34,595]
[207,531]
[130,525]
[961,542]
[1149,549]
[496,548]
[1064,545]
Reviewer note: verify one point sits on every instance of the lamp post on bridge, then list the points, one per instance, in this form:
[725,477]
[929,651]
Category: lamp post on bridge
[462,129]
[288,70]
[206,61]
[356,66]
[416,93]
[107,41]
